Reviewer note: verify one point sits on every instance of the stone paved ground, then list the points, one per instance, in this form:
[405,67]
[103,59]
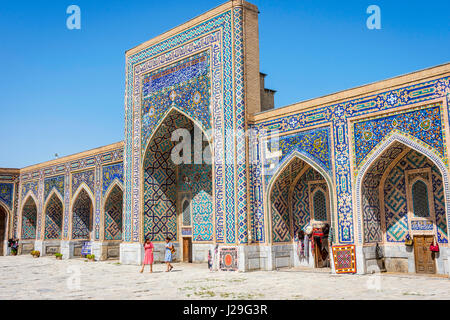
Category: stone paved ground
[24,277]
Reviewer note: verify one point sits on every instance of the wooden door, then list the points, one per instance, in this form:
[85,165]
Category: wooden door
[2,230]
[187,249]
[425,260]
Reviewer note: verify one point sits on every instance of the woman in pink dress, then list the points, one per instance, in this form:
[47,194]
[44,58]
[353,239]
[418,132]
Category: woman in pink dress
[148,257]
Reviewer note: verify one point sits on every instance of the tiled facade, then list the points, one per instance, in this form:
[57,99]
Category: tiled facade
[357,146]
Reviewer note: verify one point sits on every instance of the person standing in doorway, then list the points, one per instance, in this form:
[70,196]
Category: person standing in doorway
[148,257]
[170,249]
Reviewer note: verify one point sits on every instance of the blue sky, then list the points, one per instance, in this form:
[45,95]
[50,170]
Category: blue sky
[62,91]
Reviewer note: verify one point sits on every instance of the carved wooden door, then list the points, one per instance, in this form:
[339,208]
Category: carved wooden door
[187,249]
[425,262]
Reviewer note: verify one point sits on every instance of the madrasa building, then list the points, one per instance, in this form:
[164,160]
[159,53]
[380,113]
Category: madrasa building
[355,181]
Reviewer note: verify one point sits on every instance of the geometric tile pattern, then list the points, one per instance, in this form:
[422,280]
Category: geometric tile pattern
[338,116]
[53,218]
[395,197]
[82,216]
[279,201]
[439,205]
[160,188]
[370,192]
[216,37]
[113,214]
[200,187]
[111,173]
[29,219]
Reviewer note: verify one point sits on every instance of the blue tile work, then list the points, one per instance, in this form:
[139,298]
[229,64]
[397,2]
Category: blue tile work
[424,124]
[7,194]
[82,216]
[338,116]
[200,189]
[184,85]
[111,173]
[86,177]
[29,219]
[56,183]
[53,219]
[216,36]
[113,215]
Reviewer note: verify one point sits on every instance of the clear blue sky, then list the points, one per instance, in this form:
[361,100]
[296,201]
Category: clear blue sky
[62,91]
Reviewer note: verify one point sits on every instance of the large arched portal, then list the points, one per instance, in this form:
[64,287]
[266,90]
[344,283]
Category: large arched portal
[177,168]
[53,218]
[300,208]
[402,195]
[82,216]
[29,219]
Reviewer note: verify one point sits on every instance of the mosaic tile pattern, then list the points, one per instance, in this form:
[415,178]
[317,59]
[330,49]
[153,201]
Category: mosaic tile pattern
[215,35]
[87,177]
[6,194]
[395,198]
[338,115]
[370,193]
[29,219]
[111,173]
[424,124]
[53,219]
[82,216]
[113,215]
[201,203]
[54,183]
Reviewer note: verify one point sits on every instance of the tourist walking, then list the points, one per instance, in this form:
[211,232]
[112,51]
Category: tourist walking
[148,257]
[170,249]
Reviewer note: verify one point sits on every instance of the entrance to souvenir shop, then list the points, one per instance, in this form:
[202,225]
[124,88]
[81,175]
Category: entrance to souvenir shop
[301,214]
[424,258]
[2,230]
[321,250]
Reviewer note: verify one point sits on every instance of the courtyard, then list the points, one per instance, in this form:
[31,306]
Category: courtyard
[25,277]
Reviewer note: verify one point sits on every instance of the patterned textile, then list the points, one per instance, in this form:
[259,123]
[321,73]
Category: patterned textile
[53,218]
[228,259]
[82,216]
[113,215]
[344,259]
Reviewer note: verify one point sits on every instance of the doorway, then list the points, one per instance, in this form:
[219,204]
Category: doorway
[187,249]
[2,230]
[424,258]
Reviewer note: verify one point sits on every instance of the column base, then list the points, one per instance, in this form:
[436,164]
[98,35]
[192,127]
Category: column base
[106,250]
[131,253]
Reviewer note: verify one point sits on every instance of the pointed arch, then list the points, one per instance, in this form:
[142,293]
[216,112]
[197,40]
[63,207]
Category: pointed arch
[113,212]
[56,194]
[161,121]
[29,217]
[85,187]
[80,225]
[285,164]
[54,214]
[115,182]
[413,143]
[159,186]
